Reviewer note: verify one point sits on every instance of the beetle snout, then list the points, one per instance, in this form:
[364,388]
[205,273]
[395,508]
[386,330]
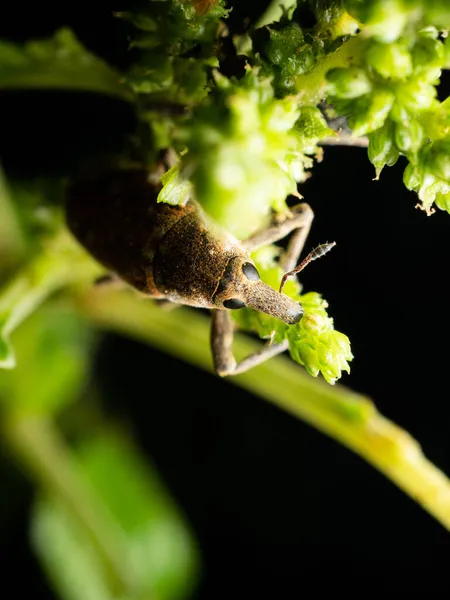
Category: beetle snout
[264,299]
[295,315]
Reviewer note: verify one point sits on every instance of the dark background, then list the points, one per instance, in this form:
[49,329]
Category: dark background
[279,509]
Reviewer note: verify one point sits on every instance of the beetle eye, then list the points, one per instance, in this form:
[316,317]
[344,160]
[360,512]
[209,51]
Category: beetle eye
[234,303]
[250,271]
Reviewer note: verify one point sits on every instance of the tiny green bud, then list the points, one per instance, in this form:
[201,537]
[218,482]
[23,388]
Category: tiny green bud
[391,61]
[412,177]
[307,356]
[310,126]
[381,150]
[372,114]
[284,43]
[415,95]
[300,62]
[348,83]
[442,201]
[427,53]
[438,159]
[409,136]
[384,19]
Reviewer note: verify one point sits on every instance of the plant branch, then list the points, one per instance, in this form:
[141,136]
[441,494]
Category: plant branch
[340,413]
[60,263]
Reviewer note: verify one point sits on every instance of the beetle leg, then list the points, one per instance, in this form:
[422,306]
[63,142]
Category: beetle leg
[299,222]
[222,331]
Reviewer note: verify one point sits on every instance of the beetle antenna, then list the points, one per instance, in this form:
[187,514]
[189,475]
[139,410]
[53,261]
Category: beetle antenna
[318,252]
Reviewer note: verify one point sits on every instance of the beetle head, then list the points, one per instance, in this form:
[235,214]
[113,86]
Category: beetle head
[240,286]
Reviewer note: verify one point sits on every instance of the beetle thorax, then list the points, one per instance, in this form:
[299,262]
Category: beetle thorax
[191,259]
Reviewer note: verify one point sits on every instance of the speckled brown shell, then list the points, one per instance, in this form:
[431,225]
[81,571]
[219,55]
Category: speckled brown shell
[160,249]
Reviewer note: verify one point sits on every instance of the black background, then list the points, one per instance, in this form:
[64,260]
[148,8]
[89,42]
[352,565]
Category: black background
[279,509]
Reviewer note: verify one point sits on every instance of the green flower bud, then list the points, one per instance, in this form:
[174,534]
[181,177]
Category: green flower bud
[301,62]
[442,201]
[372,113]
[384,19]
[409,136]
[342,343]
[429,32]
[416,95]
[413,177]
[391,61]
[421,178]
[427,53]
[348,83]
[306,355]
[154,74]
[381,150]
[284,43]
[398,113]
[311,126]
[438,159]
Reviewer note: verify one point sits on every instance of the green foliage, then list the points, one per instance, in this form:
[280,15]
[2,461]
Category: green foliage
[53,354]
[104,526]
[247,151]
[387,20]
[391,97]
[166,32]
[60,62]
[149,535]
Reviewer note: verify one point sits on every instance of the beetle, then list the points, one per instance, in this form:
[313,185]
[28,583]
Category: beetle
[177,253]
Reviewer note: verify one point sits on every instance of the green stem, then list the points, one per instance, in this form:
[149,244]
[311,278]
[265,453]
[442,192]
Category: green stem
[37,443]
[346,416]
[59,264]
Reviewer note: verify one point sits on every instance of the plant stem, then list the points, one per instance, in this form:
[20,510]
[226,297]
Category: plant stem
[38,445]
[59,264]
[340,413]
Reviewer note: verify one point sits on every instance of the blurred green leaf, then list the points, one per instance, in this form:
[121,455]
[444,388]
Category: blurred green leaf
[72,564]
[11,236]
[158,550]
[53,357]
[60,62]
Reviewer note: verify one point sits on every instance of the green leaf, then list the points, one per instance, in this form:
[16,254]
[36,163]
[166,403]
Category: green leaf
[391,61]
[409,136]
[60,263]
[372,112]
[60,63]
[382,150]
[348,83]
[176,190]
[53,351]
[158,552]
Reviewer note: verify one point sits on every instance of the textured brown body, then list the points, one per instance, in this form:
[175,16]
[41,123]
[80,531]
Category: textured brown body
[165,251]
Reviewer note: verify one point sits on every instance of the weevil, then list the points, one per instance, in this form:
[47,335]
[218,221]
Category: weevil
[177,253]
